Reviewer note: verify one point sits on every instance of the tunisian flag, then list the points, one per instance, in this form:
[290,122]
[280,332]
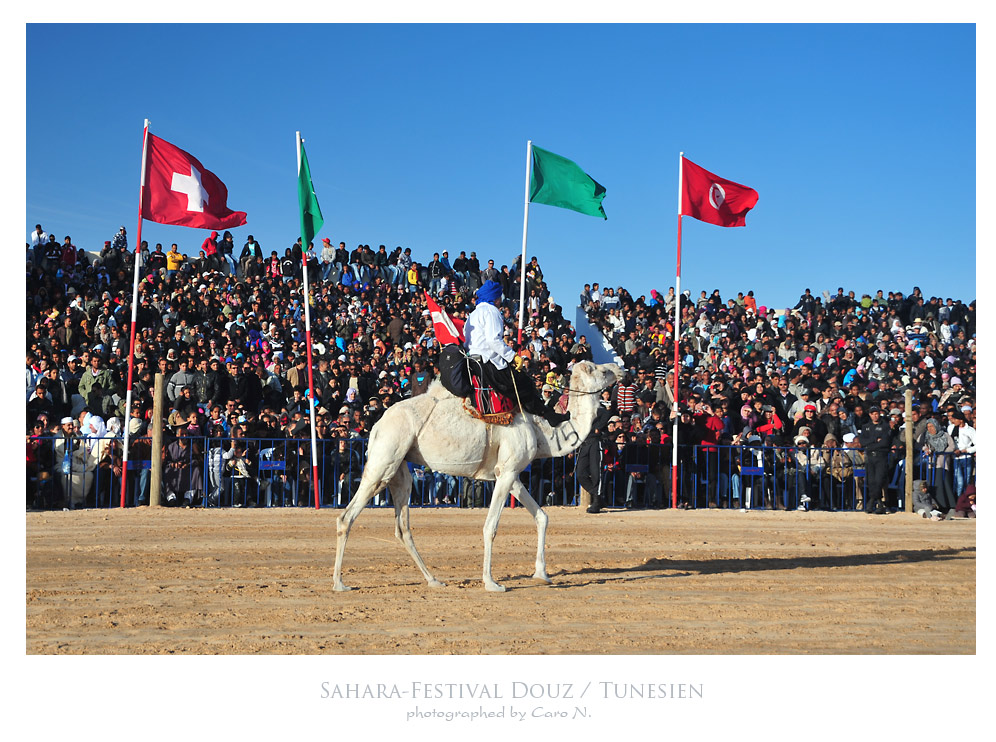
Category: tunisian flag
[448,329]
[712,199]
[179,190]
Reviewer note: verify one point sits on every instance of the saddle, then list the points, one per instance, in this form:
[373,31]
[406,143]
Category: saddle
[462,375]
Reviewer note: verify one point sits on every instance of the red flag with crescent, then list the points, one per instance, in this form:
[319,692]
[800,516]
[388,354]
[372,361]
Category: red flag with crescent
[709,198]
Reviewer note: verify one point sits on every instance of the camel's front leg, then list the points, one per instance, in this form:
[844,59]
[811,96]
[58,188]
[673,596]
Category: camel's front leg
[503,485]
[522,494]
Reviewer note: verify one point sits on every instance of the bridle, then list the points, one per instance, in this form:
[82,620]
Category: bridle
[581,391]
[468,359]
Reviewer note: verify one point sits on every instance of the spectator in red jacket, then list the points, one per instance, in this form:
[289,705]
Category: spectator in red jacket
[709,427]
[210,248]
[771,425]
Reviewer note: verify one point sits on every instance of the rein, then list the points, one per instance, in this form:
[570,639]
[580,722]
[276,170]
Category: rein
[467,359]
[579,391]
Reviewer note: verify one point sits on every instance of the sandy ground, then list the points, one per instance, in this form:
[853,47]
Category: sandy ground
[161,581]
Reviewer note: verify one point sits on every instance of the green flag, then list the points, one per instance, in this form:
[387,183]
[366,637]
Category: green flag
[311,214]
[558,181]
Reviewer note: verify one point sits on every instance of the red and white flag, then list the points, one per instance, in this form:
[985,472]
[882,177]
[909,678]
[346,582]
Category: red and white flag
[448,329]
[179,190]
[712,199]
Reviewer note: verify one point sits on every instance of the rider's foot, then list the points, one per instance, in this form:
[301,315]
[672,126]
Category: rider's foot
[555,418]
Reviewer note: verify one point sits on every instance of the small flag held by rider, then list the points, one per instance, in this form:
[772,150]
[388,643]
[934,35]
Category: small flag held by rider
[448,329]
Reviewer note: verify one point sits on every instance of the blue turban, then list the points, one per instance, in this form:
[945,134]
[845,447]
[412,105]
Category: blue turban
[490,291]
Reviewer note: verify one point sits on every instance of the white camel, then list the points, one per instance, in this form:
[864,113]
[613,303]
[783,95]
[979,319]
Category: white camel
[433,429]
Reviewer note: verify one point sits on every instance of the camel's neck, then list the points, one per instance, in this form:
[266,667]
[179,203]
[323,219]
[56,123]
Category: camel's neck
[566,437]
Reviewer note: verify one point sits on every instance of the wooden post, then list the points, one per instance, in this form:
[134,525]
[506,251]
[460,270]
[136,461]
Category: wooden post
[156,454]
[908,497]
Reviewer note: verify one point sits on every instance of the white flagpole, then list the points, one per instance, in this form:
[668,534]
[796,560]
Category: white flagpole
[677,349]
[134,317]
[307,337]
[525,232]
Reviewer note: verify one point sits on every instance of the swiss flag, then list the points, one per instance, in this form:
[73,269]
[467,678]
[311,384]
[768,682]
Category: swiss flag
[179,190]
[712,199]
[448,329]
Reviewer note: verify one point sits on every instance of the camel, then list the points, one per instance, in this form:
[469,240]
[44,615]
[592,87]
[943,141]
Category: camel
[433,429]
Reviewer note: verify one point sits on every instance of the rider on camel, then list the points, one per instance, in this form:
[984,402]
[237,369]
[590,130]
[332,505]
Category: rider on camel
[484,337]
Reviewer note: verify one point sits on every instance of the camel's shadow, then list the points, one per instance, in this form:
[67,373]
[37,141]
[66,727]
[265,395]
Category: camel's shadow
[671,568]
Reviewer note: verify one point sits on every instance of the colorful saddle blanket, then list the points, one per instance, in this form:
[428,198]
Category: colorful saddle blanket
[461,375]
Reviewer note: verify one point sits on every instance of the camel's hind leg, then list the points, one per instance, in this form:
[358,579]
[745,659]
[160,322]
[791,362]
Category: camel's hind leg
[374,479]
[522,495]
[401,487]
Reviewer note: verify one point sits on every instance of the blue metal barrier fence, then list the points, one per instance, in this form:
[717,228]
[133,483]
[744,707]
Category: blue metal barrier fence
[277,472]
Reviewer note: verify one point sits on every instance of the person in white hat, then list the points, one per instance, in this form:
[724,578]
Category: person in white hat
[808,473]
[854,496]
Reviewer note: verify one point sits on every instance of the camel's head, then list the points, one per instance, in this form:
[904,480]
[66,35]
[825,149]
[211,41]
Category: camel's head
[589,377]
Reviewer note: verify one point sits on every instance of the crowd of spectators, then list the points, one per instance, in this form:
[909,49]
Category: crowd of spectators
[808,385]
[226,329]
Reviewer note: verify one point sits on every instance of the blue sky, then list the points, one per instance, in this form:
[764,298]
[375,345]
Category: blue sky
[860,140]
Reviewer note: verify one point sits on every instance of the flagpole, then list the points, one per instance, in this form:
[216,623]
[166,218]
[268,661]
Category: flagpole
[307,342]
[525,232]
[134,317]
[677,351]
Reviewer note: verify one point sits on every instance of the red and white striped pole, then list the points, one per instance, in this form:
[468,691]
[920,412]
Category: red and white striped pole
[677,348]
[134,317]
[307,341]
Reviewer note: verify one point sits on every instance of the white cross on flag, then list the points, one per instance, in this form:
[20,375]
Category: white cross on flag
[179,190]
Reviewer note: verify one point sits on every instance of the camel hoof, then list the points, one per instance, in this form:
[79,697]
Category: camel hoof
[494,587]
[436,583]
[340,588]
[544,578]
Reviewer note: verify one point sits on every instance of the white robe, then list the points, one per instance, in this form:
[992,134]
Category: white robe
[483,334]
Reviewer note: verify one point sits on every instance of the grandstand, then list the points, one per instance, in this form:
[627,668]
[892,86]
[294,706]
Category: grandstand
[235,341]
